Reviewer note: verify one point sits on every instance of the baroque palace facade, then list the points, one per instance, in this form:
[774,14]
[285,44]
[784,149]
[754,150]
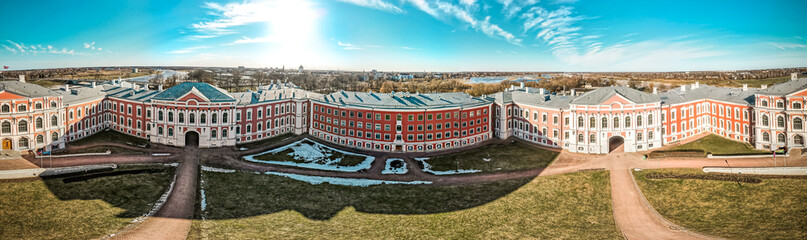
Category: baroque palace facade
[599,121]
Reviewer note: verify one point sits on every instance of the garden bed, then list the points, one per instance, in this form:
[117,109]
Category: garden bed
[306,153]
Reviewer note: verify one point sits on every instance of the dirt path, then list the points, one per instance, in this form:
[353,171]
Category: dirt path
[173,220]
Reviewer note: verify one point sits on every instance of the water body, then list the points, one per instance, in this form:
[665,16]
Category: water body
[524,78]
[165,73]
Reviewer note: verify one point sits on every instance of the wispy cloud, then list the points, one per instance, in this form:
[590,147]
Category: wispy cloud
[408,48]
[92,46]
[187,50]
[511,8]
[377,4]
[348,46]
[34,49]
[246,40]
[786,45]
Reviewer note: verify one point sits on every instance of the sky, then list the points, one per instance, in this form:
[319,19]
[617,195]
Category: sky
[407,35]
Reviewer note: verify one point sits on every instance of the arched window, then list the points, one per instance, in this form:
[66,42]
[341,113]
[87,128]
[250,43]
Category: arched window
[22,126]
[764,103]
[54,121]
[592,122]
[797,123]
[5,108]
[604,122]
[213,133]
[170,117]
[650,135]
[639,121]
[781,138]
[214,118]
[53,104]
[223,119]
[616,122]
[54,136]
[650,119]
[580,122]
[38,105]
[6,127]
[39,123]
[798,140]
[192,118]
[580,138]
[627,122]
[780,122]
[40,139]
[780,104]
[592,138]
[796,105]
[765,120]
[181,117]
[160,131]
[766,137]
[224,133]
[22,108]
[203,118]
[639,136]
[160,115]
[170,132]
[23,144]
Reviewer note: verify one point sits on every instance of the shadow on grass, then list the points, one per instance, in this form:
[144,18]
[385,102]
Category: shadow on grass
[132,188]
[239,195]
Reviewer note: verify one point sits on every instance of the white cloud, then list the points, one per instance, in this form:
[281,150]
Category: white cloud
[13,51]
[37,49]
[786,46]
[377,4]
[408,48]
[187,50]
[468,2]
[348,46]
[91,46]
[512,8]
[484,26]
[246,40]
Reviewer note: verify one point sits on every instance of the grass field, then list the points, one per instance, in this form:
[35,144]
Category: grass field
[109,137]
[252,206]
[502,157]
[718,145]
[52,209]
[772,209]
[100,149]
[267,141]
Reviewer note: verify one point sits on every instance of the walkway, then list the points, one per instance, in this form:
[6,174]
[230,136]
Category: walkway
[173,220]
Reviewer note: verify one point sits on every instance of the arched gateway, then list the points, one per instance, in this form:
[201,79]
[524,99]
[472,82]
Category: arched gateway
[616,144]
[191,139]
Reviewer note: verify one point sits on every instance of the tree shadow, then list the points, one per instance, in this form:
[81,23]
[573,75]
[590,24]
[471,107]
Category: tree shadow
[134,189]
[239,195]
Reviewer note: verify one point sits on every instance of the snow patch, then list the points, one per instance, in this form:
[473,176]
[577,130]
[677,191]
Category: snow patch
[315,156]
[355,182]
[218,170]
[171,164]
[428,169]
[388,169]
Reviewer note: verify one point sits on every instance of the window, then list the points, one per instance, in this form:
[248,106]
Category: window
[39,123]
[214,118]
[798,140]
[54,136]
[22,127]
[5,108]
[170,116]
[639,121]
[797,105]
[53,104]
[40,139]
[650,119]
[54,121]
[592,138]
[203,118]
[224,120]
[580,138]
[780,104]
[766,137]
[797,123]
[763,103]
[627,122]
[21,108]
[616,122]
[781,138]
[765,120]
[6,127]
[181,117]
[224,133]
[604,122]
[159,115]
[580,122]
[780,122]
[213,133]
[639,136]
[160,130]
[592,122]
[650,135]
[192,118]
[38,105]
[170,132]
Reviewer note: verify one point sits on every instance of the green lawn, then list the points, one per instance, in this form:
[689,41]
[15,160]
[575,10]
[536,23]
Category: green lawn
[108,137]
[101,149]
[502,157]
[52,209]
[772,209]
[718,145]
[267,141]
[252,206]
[332,155]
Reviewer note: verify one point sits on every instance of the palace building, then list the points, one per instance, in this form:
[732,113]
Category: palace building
[599,121]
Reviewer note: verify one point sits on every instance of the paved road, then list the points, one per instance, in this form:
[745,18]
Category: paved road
[173,220]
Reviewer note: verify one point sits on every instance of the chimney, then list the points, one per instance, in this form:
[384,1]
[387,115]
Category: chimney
[22,78]
[696,85]
[93,84]
[794,76]
[522,85]
[573,93]
[160,87]
[764,86]
[745,87]
[67,88]
[683,88]
[542,91]
[655,90]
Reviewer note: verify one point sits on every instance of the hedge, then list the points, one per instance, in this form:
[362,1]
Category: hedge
[677,153]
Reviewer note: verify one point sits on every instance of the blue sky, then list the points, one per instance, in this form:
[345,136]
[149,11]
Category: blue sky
[408,35]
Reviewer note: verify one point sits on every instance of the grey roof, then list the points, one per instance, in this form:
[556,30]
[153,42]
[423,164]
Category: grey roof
[402,100]
[532,96]
[786,87]
[734,95]
[141,95]
[600,95]
[79,94]
[212,93]
[273,92]
[26,89]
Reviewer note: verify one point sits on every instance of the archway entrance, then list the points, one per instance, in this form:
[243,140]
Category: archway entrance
[616,144]
[6,144]
[191,139]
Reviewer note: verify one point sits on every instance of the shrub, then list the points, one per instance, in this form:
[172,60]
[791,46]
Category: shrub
[677,153]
